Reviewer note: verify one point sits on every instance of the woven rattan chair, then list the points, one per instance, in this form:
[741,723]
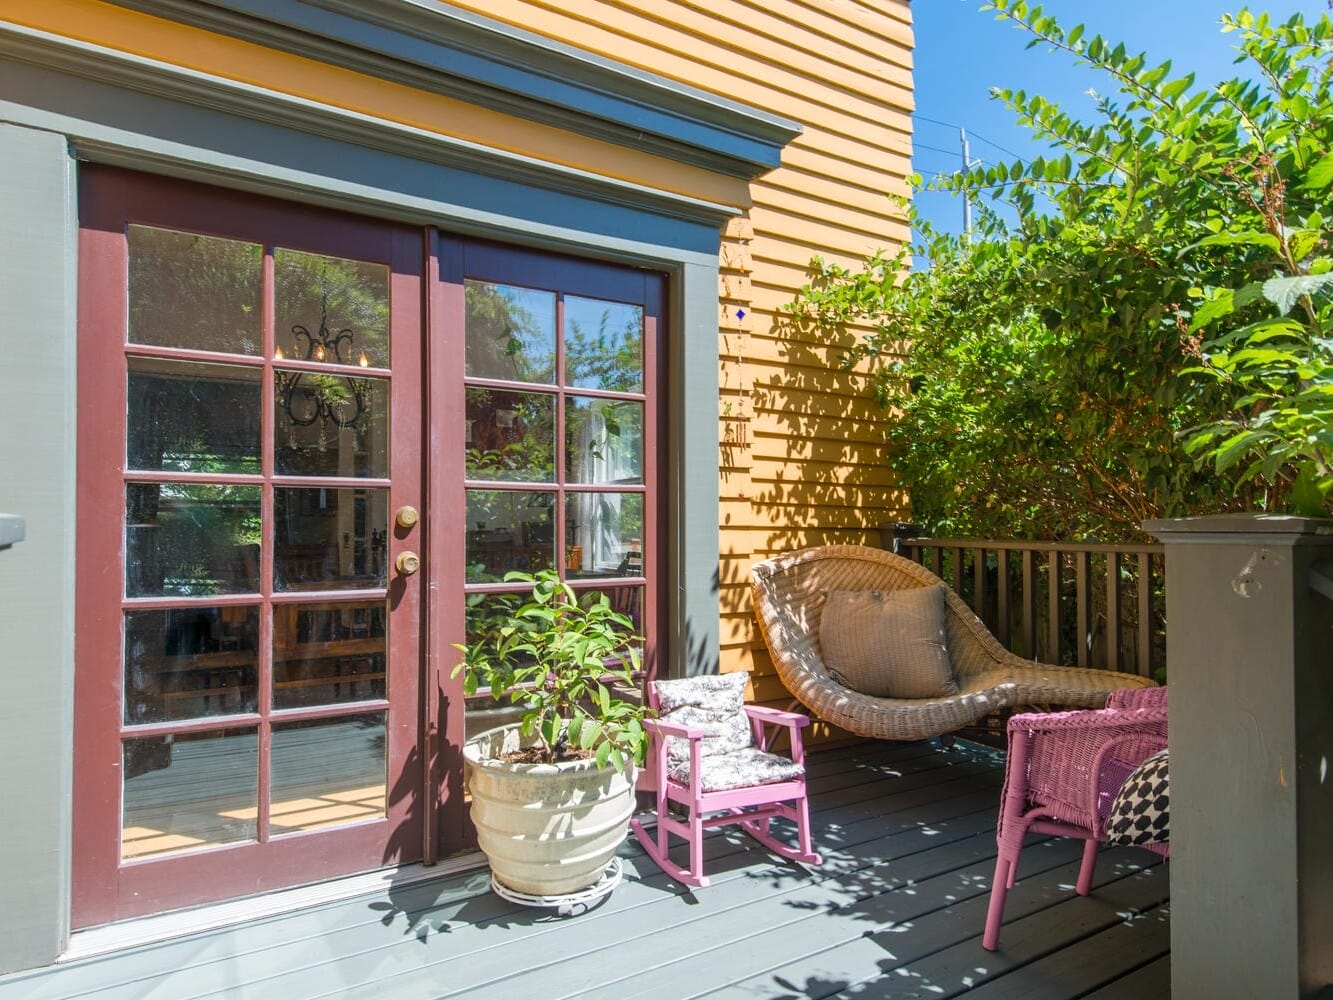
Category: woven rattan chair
[789,593]
[1061,777]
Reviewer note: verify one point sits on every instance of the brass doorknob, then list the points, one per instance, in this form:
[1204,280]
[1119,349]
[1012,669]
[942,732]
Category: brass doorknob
[407,517]
[408,562]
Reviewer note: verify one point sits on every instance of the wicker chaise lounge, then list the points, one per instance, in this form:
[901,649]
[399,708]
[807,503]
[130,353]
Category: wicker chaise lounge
[789,594]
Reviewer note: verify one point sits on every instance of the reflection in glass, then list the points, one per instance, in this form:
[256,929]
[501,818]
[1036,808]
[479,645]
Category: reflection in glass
[189,790]
[328,653]
[189,540]
[603,440]
[327,772]
[193,291]
[189,417]
[334,539]
[331,309]
[507,530]
[603,345]
[510,436]
[190,663]
[628,600]
[607,531]
[309,440]
[509,332]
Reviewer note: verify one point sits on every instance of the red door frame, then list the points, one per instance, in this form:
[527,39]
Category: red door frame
[427,714]
[104,887]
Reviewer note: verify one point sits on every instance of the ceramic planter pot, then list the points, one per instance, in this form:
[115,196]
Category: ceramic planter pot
[547,829]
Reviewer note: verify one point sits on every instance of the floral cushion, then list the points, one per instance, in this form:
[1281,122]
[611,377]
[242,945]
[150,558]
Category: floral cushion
[738,769]
[714,704]
[888,644]
[1141,812]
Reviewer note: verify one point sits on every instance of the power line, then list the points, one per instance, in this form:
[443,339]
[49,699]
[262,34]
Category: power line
[973,132]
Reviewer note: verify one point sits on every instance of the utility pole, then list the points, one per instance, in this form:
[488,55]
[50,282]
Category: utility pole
[967,201]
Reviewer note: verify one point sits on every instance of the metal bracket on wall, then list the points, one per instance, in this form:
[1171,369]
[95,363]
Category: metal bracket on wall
[12,530]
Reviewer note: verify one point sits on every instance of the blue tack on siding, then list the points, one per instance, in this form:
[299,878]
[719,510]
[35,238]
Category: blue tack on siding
[487,62]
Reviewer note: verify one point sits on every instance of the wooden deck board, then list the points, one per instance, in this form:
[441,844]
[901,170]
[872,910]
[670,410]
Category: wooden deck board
[896,910]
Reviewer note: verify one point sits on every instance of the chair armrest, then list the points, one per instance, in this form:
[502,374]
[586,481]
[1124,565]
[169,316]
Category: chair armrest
[663,728]
[1092,720]
[777,716]
[761,716]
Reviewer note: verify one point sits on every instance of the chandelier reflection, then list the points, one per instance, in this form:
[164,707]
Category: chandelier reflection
[307,397]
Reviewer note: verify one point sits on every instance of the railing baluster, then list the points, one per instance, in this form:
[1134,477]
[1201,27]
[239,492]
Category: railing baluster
[957,582]
[1053,567]
[1003,632]
[1113,610]
[1145,657]
[1029,604]
[979,587]
[1083,605]
[936,558]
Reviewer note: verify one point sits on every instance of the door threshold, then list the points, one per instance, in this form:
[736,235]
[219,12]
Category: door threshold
[159,927]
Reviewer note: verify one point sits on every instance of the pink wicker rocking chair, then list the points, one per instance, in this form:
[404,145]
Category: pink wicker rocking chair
[711,755]
[1063,772]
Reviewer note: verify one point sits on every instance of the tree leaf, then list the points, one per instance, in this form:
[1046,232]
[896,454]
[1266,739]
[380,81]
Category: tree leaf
[1286,292]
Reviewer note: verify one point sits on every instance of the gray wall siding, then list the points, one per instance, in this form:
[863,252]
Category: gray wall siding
[37,218]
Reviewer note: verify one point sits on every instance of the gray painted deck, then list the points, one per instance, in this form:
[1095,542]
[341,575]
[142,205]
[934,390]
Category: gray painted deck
[896,911]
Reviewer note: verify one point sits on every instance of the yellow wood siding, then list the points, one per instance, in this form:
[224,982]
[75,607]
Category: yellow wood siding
[801,457]
[801,446]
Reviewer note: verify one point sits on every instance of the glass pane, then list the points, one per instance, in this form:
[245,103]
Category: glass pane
[603,441]
[191,790]
[510,435]
[327,772]
[190,663]
[330,425]
[188,540]
[603,345]
[628,600]
[331,309]
[326,539]
[606,529]
[509,332]
[328,653]
[187,417]
[194,291]
[508,529]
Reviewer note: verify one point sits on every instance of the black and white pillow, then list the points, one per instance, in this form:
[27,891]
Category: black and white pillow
[1141,812]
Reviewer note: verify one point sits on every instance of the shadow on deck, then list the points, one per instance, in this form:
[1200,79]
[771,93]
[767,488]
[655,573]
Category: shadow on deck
[897,910]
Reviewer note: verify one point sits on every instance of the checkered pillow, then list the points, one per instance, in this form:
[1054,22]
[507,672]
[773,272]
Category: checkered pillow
[1141,812]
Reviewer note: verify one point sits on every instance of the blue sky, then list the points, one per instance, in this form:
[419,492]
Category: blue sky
[962,53]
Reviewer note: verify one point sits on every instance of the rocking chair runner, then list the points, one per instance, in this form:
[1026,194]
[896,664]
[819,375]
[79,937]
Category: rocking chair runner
[709,753]
[789,596]
[1062,776]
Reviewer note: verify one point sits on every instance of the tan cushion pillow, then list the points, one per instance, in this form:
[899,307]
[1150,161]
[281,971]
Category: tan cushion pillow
[889,644]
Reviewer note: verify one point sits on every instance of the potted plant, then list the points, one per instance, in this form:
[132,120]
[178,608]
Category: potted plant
[552,795]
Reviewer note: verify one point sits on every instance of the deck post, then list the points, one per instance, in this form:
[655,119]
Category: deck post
[1251,737]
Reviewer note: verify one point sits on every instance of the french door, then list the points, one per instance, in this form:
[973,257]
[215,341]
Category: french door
[248,624]
[310,446]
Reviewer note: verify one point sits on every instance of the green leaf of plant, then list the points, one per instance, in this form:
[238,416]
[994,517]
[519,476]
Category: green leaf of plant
[1286,292]
[1308,494]
[1320,175]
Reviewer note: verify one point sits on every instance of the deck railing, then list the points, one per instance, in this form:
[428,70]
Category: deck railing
[1075,603]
